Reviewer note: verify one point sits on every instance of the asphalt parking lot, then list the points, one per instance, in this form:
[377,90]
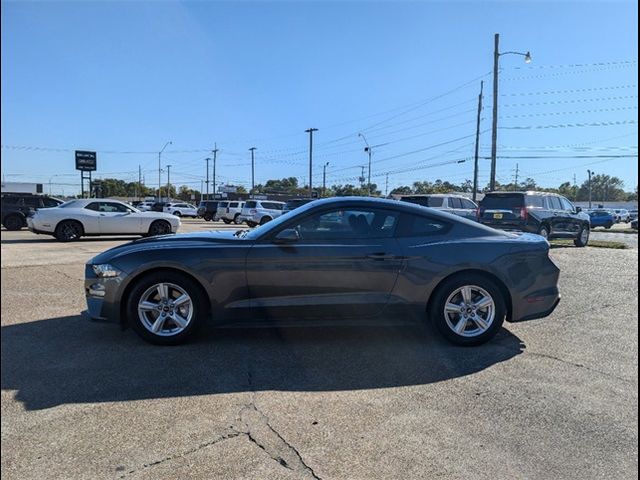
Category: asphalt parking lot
[551,398]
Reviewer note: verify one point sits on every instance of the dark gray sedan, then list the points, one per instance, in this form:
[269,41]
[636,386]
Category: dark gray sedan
[342,260]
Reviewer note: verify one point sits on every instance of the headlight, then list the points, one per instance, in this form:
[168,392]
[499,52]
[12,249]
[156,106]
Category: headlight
[105,270]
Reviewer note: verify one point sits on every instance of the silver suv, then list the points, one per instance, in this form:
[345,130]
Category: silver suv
[259,212]
[229,212]
[456,204]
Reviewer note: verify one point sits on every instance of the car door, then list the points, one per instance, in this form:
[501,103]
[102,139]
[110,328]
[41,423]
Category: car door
[344,265]
[572,222]
[118,218]
[558,219]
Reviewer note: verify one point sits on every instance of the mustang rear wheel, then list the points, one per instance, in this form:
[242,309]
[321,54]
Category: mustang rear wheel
[166,308]
[468,309]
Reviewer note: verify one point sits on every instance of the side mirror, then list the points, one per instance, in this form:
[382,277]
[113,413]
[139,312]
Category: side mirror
[288,235]
[578,209]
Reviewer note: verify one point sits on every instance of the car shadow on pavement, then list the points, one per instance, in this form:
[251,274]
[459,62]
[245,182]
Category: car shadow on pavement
[70,360]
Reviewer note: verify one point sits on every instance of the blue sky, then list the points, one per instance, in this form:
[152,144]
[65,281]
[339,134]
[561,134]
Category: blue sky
[123,77]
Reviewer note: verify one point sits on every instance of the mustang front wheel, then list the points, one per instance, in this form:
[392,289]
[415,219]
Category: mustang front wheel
[166,308]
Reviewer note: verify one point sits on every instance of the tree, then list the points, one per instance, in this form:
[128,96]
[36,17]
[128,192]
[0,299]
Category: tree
[603,188]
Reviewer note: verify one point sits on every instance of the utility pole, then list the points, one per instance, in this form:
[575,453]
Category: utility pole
[201,189]
[575,188]
[590,173]
[517,172]
[494,122]
[475,165]
[362,177]
[253,178]
[168,181]
[386,185]
[324,179]
[310,132]
[215,156]
[160,171]
[140,182]
[207,180]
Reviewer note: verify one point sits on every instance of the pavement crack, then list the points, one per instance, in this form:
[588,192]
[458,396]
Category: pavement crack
[260,432]
[578,365]
[219,439]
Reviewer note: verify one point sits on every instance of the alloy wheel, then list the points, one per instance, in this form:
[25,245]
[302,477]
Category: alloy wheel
[469,311]
[165,309]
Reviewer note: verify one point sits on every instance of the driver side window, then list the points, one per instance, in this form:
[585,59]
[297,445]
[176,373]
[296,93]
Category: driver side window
[348,224]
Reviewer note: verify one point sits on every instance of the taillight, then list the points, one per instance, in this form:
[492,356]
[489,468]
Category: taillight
[524,213]
[478,213]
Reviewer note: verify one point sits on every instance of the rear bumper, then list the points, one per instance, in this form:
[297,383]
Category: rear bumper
[542,314]
[536,305]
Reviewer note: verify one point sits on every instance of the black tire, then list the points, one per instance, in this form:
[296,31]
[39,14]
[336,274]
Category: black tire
[207,217]
[177,213]
[608,226]
[264,220]
[544,231]
[159,227]
[235,219]
[447,288]
[199,304]
[583,237]
[13,222]
[251,224]
[226,221]
[68,231]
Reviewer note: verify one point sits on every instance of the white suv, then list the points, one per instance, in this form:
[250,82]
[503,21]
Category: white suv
[181,209]
[145,206]
[259,212]
[229,212]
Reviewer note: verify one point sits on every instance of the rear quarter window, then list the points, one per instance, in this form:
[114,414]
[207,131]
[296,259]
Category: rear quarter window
[419,226]
[535,201]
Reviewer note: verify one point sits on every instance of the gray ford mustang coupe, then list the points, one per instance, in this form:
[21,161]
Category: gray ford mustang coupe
[346,260]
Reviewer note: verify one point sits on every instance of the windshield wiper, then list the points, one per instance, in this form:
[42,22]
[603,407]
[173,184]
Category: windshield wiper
[241,233]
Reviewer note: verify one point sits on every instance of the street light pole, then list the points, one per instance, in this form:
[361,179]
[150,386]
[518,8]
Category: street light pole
[168,181]
[253,178]
[324,179]
[310,132]
[590,173]
[215,156]
[160,171]
[475,165]
[494,122]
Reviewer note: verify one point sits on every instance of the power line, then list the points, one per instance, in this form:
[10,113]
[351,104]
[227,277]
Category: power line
[572,125]
[572,90]
[575,112]
[564,102]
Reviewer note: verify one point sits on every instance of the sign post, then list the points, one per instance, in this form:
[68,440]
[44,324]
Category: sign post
[86,162]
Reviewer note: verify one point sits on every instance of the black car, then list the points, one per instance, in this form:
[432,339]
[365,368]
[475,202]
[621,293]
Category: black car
[16,207]
[295,203]
[207,209]
[547,214]
[345,260]
[159,206]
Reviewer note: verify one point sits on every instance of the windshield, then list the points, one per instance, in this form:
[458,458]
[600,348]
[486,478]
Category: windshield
[503,201]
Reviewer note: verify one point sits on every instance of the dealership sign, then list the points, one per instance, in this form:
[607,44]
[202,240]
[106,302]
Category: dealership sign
[86,161]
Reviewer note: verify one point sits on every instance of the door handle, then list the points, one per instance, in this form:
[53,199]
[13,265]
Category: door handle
[381,256]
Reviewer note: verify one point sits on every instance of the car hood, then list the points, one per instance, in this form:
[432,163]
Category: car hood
[196,239]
